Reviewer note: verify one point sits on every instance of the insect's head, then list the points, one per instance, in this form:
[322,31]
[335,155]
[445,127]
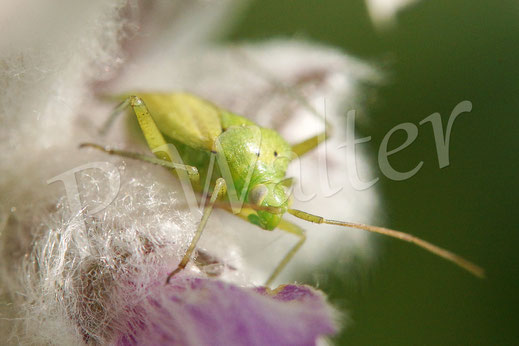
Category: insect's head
[275,198]
[257,159]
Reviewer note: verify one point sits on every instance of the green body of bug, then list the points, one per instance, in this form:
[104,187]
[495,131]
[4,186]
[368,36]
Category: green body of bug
[198,129]
[252,161]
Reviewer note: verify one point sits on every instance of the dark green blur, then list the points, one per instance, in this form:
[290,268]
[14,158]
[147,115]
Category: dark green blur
[440,53]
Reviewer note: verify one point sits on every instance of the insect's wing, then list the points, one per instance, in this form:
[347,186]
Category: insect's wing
[185,118]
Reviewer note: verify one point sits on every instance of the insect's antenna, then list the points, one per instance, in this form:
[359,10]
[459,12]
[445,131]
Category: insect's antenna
[449,256]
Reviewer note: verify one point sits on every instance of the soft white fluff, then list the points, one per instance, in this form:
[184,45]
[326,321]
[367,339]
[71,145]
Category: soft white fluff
[63,286]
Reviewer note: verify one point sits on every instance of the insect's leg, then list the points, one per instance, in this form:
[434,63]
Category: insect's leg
[307,145]
[154,138]
[149,129]
[296,230]
[219,189]
[292,91]
[115,113]
[283,225]
[152,134]
[190,170]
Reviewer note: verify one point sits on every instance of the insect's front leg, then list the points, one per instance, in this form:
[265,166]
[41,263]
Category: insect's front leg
[293,229]
[284,225]
[217,191]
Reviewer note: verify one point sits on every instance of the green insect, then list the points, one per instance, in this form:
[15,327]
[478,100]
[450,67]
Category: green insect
[188,135]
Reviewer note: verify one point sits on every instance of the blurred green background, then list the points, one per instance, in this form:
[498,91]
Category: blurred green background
[438,54]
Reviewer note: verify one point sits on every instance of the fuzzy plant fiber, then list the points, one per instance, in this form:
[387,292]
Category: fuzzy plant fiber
[97,276]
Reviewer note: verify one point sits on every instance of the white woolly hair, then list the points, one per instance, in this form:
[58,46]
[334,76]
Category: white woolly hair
[62,285]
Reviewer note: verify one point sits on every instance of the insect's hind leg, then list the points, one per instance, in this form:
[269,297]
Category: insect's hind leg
[293,229]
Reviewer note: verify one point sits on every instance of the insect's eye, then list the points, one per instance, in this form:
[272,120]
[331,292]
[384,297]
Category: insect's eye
[258,194]
[275,153]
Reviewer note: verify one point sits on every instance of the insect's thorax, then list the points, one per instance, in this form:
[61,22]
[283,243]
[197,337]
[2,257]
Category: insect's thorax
[253,155]
[247,156]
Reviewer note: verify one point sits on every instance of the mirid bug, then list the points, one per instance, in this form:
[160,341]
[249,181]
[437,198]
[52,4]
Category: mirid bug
[189,134]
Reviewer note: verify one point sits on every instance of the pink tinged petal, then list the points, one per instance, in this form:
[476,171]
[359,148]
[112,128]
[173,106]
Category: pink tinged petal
[198,311]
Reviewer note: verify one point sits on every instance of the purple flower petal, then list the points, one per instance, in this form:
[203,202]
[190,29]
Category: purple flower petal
[199,311]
